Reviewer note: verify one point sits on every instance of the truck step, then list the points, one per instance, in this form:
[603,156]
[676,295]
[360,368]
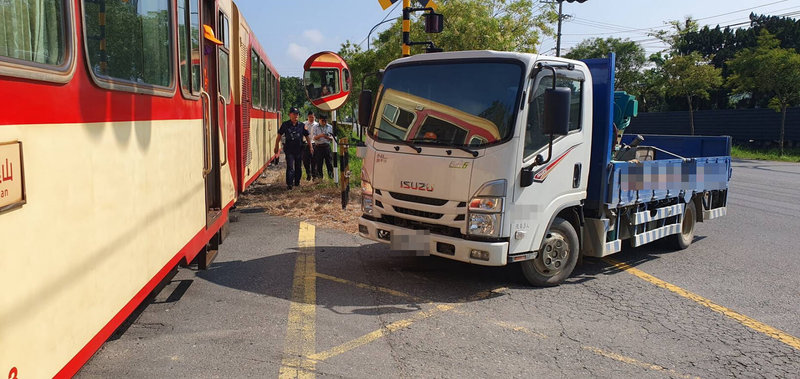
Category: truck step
[714,213]
[658,214]
[652,235]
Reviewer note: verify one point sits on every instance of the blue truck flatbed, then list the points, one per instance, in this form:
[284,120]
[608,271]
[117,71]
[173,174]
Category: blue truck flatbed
[679,166]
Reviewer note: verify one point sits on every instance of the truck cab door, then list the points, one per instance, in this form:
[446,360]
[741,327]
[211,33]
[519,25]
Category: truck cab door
[561,181]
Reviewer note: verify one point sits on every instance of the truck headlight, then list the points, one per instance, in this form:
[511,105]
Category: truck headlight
[366,193]
[484,224]
[366,185]
[485,211]
[486,204]
[366,204]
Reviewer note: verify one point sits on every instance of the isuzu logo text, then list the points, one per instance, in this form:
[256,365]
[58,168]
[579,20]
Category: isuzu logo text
[404,184]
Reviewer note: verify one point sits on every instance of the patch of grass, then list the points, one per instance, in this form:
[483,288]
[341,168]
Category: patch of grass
[790,155]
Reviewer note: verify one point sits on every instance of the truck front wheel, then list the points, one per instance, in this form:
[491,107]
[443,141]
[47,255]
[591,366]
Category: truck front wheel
[557,256]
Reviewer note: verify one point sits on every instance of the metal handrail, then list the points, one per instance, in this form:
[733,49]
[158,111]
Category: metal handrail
[225,128]
[207,134]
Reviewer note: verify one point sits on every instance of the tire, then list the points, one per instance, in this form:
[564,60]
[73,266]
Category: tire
[683,239]
[557,256]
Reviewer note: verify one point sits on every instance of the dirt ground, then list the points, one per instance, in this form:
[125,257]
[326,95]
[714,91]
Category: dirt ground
[319,202]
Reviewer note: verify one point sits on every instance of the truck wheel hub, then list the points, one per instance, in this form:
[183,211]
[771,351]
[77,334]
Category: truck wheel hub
[555,252]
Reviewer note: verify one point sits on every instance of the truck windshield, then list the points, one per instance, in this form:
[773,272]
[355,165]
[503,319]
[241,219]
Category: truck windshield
[454,104]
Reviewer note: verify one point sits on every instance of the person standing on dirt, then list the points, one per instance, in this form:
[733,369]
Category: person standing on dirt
[295,132]
[322,135]
[308,158]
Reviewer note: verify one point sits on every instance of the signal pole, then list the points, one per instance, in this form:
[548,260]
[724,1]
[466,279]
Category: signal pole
[406,28]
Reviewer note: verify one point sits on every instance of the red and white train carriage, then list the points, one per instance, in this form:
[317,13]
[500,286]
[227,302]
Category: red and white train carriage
[129,128]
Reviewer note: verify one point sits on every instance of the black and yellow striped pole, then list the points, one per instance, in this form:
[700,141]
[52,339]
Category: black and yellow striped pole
[406,28]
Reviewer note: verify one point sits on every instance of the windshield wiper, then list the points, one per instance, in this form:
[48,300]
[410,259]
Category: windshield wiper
[403,141]
[441,143]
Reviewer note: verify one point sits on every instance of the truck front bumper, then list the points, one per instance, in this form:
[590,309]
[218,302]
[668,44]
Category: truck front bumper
[447,247]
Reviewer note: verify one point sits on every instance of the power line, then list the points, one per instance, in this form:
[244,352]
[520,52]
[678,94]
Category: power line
[382,21]
[626,29]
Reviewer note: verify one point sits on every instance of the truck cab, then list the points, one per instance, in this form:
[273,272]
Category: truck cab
[485,157]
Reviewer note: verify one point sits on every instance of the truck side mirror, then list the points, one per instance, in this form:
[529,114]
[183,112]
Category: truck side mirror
[556,111]
[434,22]
[526,178]
[364,107]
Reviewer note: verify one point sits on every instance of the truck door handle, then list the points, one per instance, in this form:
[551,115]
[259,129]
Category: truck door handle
[576,176]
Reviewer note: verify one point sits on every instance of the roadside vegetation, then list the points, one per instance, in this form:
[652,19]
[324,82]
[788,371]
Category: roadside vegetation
[789,155]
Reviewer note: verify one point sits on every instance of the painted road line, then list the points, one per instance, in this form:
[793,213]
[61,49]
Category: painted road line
[598,351]
[635,362]
[373,288]
[518,328]
[300,330]
[397,325]
[742,319]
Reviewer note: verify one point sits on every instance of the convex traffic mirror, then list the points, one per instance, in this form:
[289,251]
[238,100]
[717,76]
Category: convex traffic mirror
[327,81]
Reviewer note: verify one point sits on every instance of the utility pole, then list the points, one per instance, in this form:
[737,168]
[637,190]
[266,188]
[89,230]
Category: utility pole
[558,37]
[561,17]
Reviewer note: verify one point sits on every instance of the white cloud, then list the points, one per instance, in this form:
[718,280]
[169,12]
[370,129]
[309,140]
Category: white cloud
[297,52]
[313,35]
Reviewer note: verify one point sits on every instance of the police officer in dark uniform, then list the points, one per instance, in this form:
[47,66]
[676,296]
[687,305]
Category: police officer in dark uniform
[295,132]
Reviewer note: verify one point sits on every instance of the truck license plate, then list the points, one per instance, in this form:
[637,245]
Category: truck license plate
[416,240]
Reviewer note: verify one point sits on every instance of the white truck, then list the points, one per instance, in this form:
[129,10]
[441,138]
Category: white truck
[482,157]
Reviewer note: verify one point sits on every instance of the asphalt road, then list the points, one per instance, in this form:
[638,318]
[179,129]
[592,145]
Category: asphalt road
[286,299]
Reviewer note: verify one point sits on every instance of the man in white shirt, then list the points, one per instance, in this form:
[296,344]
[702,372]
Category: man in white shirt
[308,159]
[322,136]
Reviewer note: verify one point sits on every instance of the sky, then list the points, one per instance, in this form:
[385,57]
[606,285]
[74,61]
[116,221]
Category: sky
[292,30]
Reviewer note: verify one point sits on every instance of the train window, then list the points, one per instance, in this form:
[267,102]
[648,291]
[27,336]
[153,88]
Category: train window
[189,46]
[36,39]
[274,93]
[277,90]
[129,41]
[255,91]
[224,59]
[224,26]
[34,31]
[262,74]
[346,80]
[270,83]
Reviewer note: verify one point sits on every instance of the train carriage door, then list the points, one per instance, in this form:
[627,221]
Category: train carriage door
[211,120]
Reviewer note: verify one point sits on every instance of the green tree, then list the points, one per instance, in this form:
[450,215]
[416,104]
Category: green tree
[630,59]
[292,94]
[768,69]
[691,76]
[652,85]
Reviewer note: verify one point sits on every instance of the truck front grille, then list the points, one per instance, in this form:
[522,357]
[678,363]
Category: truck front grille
[418,199]
[418,213]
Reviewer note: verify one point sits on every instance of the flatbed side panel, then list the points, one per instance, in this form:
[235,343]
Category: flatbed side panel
[687,146]
[641,182]
[602,128]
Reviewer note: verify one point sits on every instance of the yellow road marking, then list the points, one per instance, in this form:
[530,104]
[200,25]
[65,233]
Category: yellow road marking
[397,325]
[744,320]
[300,331]
[632,361]
[518,328]
[374,288]
[598,351]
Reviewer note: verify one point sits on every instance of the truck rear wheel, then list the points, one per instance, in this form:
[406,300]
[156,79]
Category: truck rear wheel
[683,239]
[557,257]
